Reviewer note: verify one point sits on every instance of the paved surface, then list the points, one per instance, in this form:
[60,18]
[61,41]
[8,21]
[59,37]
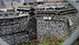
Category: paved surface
[2,42]
[75,4]
[75,35]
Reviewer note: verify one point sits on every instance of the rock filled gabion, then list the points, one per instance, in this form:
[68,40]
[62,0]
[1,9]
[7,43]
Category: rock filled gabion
[58,28]
[54,21]
[14,30]
[32,28]
[47,20]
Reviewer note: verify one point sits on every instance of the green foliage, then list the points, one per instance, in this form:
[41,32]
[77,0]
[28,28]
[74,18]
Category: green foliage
[46,40]
[51,40]
[28,43]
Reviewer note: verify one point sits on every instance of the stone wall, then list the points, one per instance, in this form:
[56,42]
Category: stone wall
[57,28]
[14,30]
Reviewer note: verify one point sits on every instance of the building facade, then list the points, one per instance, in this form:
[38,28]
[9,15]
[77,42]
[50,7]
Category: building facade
[54,0]
[2,4]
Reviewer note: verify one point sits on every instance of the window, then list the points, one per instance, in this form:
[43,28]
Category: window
[10,13]
[1,15]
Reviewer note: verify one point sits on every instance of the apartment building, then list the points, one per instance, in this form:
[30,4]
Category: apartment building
[2,5]
[55,0]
